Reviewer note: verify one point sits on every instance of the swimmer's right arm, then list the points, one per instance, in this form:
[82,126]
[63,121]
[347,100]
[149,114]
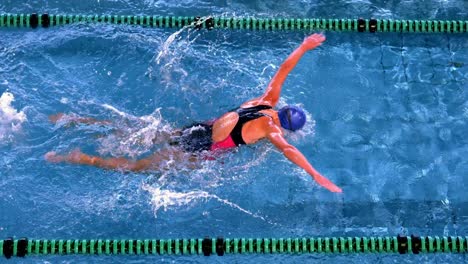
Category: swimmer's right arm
[294,155]
[273,91]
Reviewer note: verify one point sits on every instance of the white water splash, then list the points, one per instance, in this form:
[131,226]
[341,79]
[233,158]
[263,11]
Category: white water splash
[259,159]
[180,45]
[10,118]
[171,57]
[115,110]
[165,50]
[138,137]
[166,199]
[176,47]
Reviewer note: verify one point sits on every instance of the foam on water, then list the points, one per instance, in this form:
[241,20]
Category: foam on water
[170,54]
[11,119]
[168,199]
[135,135]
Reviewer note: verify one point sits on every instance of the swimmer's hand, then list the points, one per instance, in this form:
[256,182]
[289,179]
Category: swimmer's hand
[313,41]
[326,183]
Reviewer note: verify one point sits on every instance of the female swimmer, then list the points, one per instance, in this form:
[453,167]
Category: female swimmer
[253,120]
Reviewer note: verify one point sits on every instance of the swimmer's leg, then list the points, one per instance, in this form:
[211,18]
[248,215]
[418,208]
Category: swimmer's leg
[157,161]
[74,119]
[70,119]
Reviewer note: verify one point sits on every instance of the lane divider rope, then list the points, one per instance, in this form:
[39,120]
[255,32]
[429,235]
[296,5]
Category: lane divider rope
[219,246]
[372,25]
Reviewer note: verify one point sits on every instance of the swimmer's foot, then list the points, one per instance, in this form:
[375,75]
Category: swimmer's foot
[52,156]
[72,119]
[66,120]
[73,157]
[56,117]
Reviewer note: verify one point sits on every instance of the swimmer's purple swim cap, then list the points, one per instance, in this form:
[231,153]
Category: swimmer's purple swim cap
[292,117]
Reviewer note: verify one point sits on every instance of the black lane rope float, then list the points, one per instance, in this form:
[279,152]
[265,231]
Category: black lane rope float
[212,22]
[219,246]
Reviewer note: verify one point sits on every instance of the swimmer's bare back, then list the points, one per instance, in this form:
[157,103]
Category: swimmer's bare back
[267,126]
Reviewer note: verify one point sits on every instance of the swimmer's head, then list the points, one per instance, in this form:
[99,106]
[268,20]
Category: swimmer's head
[292,117]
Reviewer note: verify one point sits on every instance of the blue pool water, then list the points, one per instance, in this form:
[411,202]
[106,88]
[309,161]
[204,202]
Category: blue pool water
[388,115]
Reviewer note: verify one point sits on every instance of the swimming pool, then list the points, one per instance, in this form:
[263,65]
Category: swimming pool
[389,119]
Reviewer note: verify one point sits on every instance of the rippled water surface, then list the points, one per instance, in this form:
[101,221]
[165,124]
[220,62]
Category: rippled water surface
[388,123]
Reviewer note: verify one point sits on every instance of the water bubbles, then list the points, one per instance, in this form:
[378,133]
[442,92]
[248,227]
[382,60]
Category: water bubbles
[352,140]
[134,135]
[122,79]
[420,112]
[10,118]
[64,100]
[465,112]
[169,199]
[401,86]
[445,134]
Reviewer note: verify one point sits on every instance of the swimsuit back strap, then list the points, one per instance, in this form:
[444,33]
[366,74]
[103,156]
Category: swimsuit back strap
[246,115]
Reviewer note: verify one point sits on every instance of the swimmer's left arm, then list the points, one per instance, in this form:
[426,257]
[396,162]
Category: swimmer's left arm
[294,155]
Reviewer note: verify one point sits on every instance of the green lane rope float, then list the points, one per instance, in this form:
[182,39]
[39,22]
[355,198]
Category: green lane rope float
[220,246]
[212,22]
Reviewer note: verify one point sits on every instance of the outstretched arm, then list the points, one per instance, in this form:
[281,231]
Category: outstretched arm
[294,155]
[273,91]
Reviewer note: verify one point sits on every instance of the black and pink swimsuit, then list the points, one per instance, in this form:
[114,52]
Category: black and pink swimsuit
[197,137]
